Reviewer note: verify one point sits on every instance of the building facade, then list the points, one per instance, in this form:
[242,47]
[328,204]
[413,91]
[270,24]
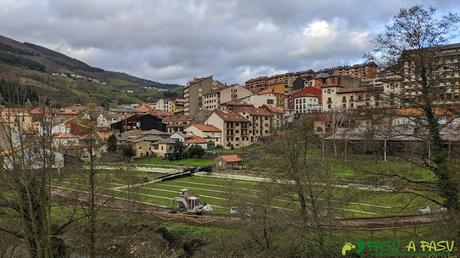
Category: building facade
[261,83]
[194,91]
[234,128]
[166,105]
[260,122]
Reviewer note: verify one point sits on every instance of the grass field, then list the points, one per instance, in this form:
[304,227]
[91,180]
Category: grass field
[215,191]
[183,162]
[249,148]
[363,169]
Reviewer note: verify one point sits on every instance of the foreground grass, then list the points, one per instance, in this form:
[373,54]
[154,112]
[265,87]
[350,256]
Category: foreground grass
[127,225]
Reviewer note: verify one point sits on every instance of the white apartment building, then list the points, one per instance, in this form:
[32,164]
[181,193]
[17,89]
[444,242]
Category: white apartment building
[339,98]
[166,105]
[307,103]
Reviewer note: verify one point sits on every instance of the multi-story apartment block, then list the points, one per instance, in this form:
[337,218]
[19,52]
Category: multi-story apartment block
[194,91]
[215,98]
[211,100]
[166,105]
[234,128]
[361,71]
[325,79]
[279,118]
[444,79]
[260,122]
[261,83]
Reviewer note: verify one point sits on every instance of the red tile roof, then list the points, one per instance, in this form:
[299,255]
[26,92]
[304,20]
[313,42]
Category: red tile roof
[275,89]
[144,108]
[230,116]
[272,109]
[307,91]
[206,128]
[196,139]
[231,158]
[253,111]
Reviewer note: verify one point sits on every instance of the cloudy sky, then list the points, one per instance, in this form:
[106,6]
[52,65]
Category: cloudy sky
[175,40]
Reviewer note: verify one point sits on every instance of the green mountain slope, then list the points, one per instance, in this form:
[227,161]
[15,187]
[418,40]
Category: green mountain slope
[68,80]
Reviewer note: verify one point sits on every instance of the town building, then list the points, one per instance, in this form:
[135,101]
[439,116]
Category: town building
[361,71]
[269,99]
[444,63]
[196,140]
[215,98]
[177,123]
[279,91]
[234,128]
[167,105]
[225,162]
[278,116]
[194,91]
[260,122]
[142,122]
[258,84]
[307,100]
[208,132]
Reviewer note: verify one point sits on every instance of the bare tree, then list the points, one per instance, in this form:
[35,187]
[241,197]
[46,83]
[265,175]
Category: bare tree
[296,209]
[27,161]
[411,50]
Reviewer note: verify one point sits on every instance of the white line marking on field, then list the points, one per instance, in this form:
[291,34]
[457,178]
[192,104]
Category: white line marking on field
[184,186]
[220,186]
[276,207]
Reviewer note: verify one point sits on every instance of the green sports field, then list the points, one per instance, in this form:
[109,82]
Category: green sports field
[140,186]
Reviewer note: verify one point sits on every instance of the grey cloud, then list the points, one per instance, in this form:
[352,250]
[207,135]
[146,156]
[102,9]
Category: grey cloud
[173,41]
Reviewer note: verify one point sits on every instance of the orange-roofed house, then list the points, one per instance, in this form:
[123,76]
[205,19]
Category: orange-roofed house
[196,140]
[279,91]
[225,162]
[208,132]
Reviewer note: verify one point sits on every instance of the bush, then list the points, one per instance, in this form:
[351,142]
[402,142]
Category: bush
[196,151]
[112,143]
[128,150]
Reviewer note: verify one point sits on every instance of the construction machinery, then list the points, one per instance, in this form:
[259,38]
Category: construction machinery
[189,203]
